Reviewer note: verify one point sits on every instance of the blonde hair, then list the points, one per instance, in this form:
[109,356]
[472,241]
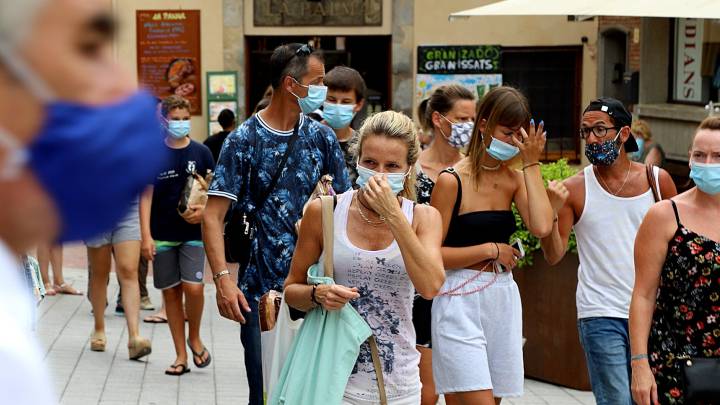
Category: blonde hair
[642,128]
[393,125]
[502,105]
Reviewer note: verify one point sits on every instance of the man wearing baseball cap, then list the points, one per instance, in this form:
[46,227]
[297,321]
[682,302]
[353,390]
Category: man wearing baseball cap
[604,204]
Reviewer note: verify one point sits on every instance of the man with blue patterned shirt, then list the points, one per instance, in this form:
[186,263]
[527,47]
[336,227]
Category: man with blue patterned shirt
[250,159]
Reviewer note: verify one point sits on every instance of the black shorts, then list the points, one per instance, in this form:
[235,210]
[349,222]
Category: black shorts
[422,309]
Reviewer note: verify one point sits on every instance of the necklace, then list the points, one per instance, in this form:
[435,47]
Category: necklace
[491,168]
[365,218]
[627,176]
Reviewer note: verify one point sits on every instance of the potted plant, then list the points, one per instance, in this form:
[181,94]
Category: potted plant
[552,352]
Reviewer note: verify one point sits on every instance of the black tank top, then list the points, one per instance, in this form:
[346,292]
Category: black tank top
[476,228]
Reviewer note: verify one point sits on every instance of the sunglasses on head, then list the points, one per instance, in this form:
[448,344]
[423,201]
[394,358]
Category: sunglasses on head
[304,50]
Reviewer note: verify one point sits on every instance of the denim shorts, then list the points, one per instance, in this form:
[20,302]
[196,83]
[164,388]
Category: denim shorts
[128,229]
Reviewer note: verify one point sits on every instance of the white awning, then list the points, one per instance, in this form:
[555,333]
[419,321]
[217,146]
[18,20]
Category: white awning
[630,8]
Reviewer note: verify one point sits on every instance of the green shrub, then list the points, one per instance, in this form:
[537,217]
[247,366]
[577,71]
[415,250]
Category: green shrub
[559,170]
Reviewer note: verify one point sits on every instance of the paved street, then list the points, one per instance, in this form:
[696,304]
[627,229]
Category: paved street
[84,377]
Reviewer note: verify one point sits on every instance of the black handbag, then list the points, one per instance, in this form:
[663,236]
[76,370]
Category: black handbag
[240,226]
[702,379]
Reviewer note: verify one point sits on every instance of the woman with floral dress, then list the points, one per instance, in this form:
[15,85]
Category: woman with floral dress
[675,309]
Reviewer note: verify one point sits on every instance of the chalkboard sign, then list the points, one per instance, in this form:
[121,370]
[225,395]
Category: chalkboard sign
[168,54]
[465,59]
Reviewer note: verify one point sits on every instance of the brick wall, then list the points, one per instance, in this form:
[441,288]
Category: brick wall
[628,24]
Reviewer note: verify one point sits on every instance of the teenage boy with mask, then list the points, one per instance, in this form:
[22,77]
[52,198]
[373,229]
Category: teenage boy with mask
[252,156]
[604,204]
[345,98]
[172,241]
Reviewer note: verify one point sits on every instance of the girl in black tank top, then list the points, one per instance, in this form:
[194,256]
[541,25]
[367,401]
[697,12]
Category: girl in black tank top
[476,228]
[477,317]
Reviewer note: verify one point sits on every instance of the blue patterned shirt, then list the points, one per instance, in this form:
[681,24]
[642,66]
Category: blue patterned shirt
[249,158]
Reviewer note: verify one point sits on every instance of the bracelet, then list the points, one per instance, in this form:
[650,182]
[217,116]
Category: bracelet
[556,218]
[312,295]
[497,256]
[530,165]
[642,356]
[220,274]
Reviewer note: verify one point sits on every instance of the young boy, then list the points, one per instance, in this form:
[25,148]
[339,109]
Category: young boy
[173,241]
[345,97]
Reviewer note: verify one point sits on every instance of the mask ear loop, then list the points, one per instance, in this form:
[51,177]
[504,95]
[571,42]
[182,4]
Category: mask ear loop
[27,76]
[17,156]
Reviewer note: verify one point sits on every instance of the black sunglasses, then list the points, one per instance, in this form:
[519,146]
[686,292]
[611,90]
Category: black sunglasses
[304,50]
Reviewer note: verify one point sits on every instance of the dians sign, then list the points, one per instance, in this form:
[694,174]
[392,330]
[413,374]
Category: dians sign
[470,59]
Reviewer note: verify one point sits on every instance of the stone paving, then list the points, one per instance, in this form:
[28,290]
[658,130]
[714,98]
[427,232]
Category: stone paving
[81,376]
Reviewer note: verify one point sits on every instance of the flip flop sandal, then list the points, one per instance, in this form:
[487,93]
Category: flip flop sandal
[155,319]
[200,356]
[66,289]
[183,369]
[50,290]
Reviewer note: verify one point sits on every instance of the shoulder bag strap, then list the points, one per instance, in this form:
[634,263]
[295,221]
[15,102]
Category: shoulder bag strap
[651,180]
[278,173]
[327,204]
[375,353]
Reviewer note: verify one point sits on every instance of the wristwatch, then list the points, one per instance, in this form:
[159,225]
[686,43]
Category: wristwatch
[220,274]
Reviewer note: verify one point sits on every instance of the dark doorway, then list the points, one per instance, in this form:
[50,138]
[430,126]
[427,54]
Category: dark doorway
[369,55]
[613,54]
[550,77]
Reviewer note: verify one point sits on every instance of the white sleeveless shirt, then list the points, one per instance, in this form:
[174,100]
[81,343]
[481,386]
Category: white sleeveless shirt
[605,235]
[386,299]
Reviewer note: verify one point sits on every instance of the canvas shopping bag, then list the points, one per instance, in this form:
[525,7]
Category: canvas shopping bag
[327,345]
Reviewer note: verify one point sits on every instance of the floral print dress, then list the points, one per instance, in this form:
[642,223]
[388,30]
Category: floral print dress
[687,314]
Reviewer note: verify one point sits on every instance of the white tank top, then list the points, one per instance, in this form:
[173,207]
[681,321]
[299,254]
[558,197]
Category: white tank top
[386,299]
[606,237]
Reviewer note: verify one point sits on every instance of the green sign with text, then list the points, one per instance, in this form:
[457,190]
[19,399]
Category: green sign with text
[464,59]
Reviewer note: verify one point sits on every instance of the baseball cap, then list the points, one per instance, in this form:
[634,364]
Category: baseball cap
[620,115]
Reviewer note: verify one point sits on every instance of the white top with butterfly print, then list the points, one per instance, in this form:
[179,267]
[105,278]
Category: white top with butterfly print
[386,299]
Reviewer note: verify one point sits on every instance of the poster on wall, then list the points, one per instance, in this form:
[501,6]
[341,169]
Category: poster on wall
[168,54]
[221,95]
[477,84]
[475,67]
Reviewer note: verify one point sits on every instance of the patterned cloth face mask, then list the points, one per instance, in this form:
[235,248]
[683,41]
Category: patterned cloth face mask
[460,133]
[603,153]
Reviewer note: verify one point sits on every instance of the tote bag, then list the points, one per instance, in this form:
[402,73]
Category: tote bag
[327,345]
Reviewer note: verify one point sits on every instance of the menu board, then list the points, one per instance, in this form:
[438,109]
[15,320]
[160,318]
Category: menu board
[168,54]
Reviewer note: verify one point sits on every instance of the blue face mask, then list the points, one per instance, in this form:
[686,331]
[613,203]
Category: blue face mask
[502,151]
[77,153]
[706,177]
[395,180]
[315,98]
[338,115]
[637,155]
[178,129]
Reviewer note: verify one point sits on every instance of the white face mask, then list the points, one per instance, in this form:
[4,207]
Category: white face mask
[460,134]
